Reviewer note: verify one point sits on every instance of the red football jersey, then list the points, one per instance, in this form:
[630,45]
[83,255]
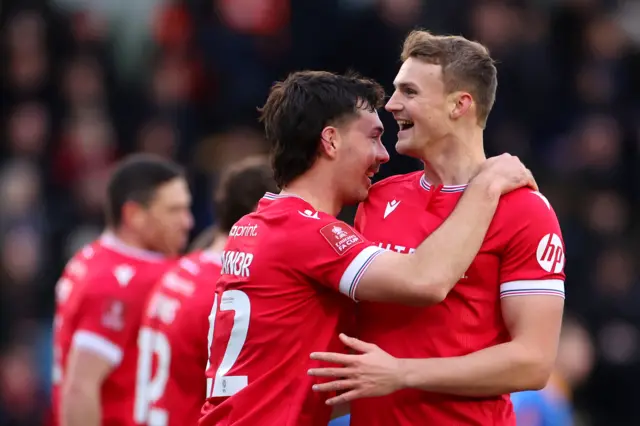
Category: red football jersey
[522,254]
[278,299]
[173,349]
[99,304]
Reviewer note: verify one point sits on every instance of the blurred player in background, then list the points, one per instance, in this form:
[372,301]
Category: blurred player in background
[497,331]
[552,405]
[175,325]
[284,266]
[101,295]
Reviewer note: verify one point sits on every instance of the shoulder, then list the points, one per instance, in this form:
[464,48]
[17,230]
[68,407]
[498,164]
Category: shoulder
[125,278]
[81,264]
[526,200]
[389,190]
[192,263]
[525,207]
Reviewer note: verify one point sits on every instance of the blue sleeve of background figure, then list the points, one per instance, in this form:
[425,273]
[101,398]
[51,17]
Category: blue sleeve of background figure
[340,421]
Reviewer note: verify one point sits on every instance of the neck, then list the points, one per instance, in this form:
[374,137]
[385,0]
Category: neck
[454,160]
[129,238]
[219,241]
[316,190]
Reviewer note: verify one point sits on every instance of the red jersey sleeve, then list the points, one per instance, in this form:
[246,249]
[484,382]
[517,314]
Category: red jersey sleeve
[534,257]
[107,319]
[334,254]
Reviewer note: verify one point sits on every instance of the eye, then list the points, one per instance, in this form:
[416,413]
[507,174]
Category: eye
[410,92]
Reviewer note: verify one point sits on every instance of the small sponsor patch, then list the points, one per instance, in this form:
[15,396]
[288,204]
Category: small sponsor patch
[550,253]
[340,236]
[113,316]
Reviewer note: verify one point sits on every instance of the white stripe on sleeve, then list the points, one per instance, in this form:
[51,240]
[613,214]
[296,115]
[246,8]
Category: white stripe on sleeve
[355,270]
[532,287]
[98,344]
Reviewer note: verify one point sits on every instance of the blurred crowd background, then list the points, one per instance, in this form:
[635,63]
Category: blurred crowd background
[85,82]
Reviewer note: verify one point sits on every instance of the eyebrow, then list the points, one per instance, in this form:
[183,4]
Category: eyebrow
[404,85]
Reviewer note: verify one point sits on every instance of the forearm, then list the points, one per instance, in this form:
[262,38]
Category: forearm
[498,370]
[81,408]
[447,253]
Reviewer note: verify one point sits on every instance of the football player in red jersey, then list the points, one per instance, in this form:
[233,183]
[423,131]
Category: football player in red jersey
[497,330]
[285,265]
[101,295]
[175,326]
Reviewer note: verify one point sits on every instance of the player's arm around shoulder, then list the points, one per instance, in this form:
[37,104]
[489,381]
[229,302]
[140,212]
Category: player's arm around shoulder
[427,276]
[532,283]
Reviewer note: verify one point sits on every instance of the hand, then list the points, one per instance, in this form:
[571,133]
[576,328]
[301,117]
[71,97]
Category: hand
[506,173]
[372,373]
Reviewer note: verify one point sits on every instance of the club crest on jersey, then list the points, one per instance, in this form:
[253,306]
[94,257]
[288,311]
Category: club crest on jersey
[340,236]
[113,315]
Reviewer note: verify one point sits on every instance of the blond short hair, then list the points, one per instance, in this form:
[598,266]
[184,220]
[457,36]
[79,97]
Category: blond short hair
[466,65]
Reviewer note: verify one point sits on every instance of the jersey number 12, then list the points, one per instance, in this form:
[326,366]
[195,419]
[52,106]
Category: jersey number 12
[150,389]
[238,302]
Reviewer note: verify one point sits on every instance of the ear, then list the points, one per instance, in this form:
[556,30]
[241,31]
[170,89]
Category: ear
[330,140]
[132,214]
[460,103]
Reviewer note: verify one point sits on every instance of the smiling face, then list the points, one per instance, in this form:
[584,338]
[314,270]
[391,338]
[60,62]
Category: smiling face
[420,105]
[358,155]
[444,91]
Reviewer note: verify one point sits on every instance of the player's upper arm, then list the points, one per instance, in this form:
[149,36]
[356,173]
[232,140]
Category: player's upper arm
[534,324]
[337,255]
[108,320]
[86,370]
[532,283]
[534,256]
[332,252]
[393,277]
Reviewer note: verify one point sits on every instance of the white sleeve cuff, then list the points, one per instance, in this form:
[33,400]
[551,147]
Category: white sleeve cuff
[95,343]
[532,287]
[355,270]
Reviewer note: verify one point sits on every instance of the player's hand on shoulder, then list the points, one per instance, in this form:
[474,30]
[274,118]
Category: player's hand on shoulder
[504,173]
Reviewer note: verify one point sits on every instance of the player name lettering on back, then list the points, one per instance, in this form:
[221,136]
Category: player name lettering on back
[244,231]
[236,263]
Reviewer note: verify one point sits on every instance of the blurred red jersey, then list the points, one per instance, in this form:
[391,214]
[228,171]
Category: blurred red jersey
[173,350]
[278,299]
[99,304]
[522,254]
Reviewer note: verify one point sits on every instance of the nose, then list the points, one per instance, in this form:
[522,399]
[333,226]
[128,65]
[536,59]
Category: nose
[393,105]
[187,221]
[382,154]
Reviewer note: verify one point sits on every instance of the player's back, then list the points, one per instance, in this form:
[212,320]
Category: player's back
[99,301]
[174,333]
[275,307]
[399,214]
